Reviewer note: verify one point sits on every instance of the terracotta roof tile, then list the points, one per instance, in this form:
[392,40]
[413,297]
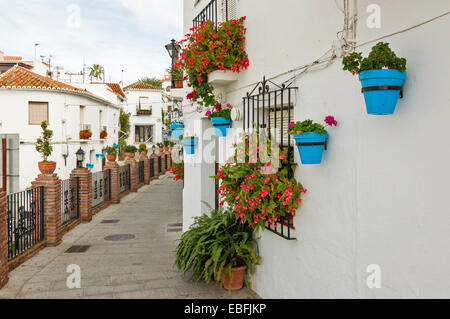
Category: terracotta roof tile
[12,58]
[115,87]
[140,86]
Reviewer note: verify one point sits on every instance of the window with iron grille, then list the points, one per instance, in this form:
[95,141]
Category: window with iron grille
[269,108]
[217,11]
[143,133]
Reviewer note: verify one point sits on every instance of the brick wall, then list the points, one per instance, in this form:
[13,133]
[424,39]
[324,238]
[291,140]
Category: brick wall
[4,270]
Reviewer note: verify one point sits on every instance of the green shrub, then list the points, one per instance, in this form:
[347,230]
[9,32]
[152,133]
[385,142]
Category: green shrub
[43,145]
[142,148]
[130,149]
[111,150]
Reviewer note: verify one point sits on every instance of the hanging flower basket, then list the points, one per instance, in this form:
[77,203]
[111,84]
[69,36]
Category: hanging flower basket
[381,89]
[310,146]
[311,139]
[190,145]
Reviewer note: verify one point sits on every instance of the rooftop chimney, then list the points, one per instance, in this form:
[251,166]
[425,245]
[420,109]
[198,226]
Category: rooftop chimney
[2,56]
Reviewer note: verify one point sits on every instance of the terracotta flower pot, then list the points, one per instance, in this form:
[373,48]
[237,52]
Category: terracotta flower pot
[143,152]
[166,149]
[121,158]
[160,150]
[47,168]
[130,155]
[111,157]
[238,278]
[171,148]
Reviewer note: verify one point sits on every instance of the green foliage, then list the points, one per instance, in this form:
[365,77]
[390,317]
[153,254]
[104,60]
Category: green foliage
[111,150]
[216,243]
[142,148]
[160,145]
[96,71]
[157,83]
[166,143]
[130,149]
[124,122]
[307,126]
[380,57]
[43,145]
[122,145]
[220,111]
[171,144]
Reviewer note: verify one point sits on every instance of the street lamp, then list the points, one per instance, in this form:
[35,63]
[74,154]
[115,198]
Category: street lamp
[173,48]
[80,158]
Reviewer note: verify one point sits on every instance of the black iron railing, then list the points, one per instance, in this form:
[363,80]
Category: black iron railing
[25,221]
[101,188]
[141,167]
[70,201]
[268,109]
[166,161]
[213,12]
[152,167]
[159,164]
[125,178]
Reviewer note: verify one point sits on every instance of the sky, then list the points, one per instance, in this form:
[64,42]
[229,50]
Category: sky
[120,35]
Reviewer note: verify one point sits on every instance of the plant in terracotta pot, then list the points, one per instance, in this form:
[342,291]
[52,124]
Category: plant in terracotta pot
[122,145]
[85,134]
[111,153]
[143,149]
[130,151]
[103,134]
[171,145]
[44,147]
[220,246]
[166,145]
[160,147]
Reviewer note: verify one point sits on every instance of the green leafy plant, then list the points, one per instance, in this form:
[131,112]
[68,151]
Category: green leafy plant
[130,149]
[171,144]
[178,170]
[216,243]
[122,145]
[43,145]
[166,143]
[208,49]
[124,122]
[219,111]
[258,192]
[157,83]
[160,145]
[380,57]
[142,148]
[308,126]
[111,150]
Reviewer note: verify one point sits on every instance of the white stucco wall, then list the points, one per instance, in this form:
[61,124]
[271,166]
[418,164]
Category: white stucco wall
[64,118]
[379,196]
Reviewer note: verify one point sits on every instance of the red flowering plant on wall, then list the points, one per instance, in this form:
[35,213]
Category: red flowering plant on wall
[208,49]
[256,196]
[178,171]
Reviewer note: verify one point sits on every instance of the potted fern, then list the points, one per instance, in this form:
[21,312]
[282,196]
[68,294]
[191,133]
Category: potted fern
[44,147]
[382,75]
[218,246]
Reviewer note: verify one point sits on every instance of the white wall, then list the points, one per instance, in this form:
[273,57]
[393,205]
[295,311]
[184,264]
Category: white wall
[379,196]
[64,118]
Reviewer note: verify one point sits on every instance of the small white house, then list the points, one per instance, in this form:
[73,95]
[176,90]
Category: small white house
[375,220]
[145,104]
[27,99]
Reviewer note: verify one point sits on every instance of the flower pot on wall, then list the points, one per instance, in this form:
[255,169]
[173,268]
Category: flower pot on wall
[111,157]
[381,89]
[121,157]
[221,125]
[190,145]
[177,130]
[310,146]
[47,168]
[130,155]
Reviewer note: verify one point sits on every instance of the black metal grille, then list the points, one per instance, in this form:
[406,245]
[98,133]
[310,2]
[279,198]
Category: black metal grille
[209,12]
[101,188]
[25,221]
[70,202]
[159,164]
[141,172]
[166,161]
[125,178]
[152,167]
[269,108]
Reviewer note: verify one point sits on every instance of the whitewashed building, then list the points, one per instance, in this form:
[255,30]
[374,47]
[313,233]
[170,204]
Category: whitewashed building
[375,222]
[27,99]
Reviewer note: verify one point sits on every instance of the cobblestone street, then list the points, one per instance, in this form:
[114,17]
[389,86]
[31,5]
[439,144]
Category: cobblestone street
[140,267]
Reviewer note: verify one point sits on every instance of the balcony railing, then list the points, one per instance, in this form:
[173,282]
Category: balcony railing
[177,84]
[140,111]
[216,11]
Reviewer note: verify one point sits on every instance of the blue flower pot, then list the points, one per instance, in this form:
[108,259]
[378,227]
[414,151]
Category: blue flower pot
[178,133]
[190,145]
[175,126]
[381,89]
[310,146]
[220,126]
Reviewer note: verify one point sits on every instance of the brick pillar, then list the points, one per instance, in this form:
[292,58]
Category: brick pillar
[85,188]
[133,174]
[155,166]
[52,207]
[3,241]
[115,181]
[169,160]
[146,161]
[163,166]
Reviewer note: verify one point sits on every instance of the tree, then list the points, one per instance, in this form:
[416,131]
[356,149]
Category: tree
[124,122]
[96,71]
[152,81]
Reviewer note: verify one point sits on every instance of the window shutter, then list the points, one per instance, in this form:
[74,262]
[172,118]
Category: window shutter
[37,112]
[285,123]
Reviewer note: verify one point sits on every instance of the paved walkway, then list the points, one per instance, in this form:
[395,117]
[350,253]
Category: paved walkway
[137,268]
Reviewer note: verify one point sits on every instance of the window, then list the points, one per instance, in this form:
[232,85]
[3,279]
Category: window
[143,133]
[144,103]
[37,113]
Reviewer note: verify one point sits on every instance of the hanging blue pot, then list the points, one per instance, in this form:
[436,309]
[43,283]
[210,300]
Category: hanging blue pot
[175,126]
[381,89]
[220,125]
[190,145]
[178,133]
[310,146]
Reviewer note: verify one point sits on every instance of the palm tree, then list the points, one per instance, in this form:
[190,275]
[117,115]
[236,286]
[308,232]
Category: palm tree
[96,71]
